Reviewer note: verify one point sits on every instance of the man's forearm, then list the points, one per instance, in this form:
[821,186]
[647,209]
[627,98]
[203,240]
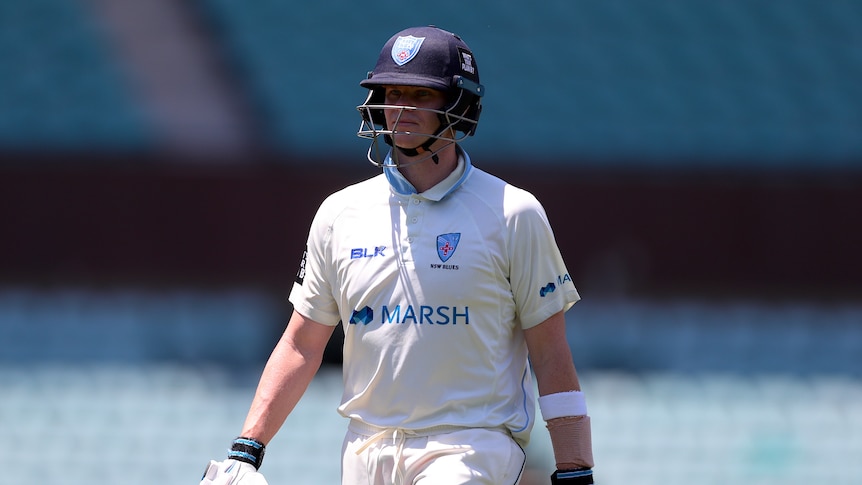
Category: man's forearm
[287,374]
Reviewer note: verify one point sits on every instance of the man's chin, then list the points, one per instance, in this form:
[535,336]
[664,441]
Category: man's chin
[409,142]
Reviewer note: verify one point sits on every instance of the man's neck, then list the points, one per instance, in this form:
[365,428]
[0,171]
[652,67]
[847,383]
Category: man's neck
[426,174]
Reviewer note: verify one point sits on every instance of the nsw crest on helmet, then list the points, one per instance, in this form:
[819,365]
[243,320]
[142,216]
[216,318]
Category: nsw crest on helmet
[405,48]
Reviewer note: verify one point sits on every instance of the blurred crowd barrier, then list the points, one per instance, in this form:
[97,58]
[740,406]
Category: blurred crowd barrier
[134,386]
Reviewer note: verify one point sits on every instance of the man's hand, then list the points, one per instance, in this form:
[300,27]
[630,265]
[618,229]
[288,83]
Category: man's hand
[231,472]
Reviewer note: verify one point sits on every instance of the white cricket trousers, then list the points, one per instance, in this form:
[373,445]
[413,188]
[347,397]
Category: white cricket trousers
[444,456]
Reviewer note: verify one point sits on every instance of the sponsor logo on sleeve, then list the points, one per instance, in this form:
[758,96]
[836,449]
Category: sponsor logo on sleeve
[300,274]
[552,286]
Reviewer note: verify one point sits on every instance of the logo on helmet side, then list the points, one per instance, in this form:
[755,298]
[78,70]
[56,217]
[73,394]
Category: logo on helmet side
[405,49]
[467,61]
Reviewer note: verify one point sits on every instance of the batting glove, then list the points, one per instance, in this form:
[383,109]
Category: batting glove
[231,472]
[580,476]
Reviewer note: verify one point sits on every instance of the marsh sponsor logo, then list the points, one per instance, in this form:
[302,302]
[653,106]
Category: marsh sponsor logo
[413,314]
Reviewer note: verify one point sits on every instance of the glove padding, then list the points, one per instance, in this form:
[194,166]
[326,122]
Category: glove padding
[581,476]
[231,472]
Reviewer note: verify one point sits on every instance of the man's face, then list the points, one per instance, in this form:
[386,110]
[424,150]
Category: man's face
[412,127]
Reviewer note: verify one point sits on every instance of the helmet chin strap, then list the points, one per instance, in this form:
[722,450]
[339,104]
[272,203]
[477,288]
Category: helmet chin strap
[423,148]
[413,152]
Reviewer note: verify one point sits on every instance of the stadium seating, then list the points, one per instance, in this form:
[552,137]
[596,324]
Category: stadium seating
[663,82]
[61,86]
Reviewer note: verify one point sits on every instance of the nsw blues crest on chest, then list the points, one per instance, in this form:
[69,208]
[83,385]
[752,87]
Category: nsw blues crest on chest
[447,244]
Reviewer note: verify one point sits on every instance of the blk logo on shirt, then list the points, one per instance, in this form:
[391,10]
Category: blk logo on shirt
[357,253]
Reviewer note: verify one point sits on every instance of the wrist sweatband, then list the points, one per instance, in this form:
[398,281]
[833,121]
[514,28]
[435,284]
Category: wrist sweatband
[571,403]
[581,476]
[247,450]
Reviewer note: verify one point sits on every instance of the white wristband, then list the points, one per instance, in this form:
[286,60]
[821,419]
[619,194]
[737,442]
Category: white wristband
[571,403]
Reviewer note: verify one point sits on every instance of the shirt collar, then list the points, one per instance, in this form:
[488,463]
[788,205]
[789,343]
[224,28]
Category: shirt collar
[436,193]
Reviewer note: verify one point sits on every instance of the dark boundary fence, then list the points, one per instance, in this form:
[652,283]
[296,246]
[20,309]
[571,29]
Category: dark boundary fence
[156,220]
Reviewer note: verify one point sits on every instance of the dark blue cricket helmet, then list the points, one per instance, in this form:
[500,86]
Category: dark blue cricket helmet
[428,57]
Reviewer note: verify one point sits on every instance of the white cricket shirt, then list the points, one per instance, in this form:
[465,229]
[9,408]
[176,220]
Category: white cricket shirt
[434,291]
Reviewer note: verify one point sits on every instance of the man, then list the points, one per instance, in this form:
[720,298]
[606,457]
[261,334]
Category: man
[446,279]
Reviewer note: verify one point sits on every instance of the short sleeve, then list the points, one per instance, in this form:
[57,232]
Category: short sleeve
[541,284]
[312,294]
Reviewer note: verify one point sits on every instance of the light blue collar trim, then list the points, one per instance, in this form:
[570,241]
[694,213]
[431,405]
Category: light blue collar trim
[399,184]
[446,186]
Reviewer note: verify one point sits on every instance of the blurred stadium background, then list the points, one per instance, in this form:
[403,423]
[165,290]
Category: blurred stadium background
[701,162]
